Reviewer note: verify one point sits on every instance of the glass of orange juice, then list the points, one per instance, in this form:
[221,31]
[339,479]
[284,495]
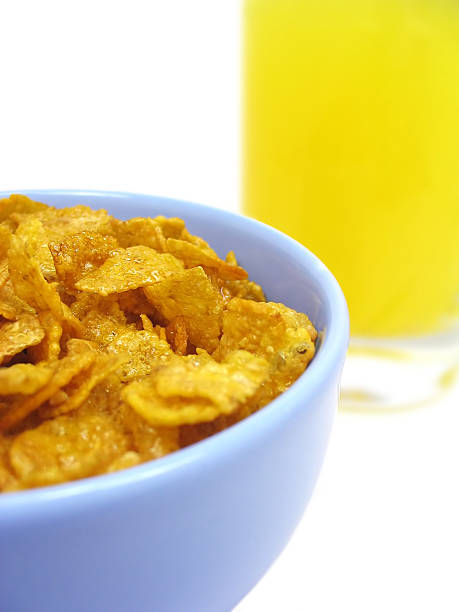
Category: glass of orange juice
[351,145]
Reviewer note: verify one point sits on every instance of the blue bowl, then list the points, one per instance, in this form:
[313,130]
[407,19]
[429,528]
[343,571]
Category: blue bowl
[193,531]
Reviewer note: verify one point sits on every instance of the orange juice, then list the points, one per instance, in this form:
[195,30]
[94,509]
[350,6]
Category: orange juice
[351,145]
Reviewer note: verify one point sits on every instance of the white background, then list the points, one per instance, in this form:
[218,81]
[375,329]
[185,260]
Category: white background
[144,96]
[138,95]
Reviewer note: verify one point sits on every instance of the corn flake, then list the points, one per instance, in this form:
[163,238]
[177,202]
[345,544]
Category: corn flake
[281,335]
[24,378]
[19,204]
[140,231]
[150,442]
[192,296]
[193,255]
[177,335]
[78,390]
[147,325]
[32,232]
[31,286]
[135,302]
[129,269]
[4,272]
[49,348]
[129,459]
[103,329]
[61,222]
[244,288]
[80,356]
[79,254]
[142,350]
[181,393]
[15,336]
[12,307]
[67,447]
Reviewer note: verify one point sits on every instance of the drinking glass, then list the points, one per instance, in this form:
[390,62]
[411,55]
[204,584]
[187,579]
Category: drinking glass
[351,145]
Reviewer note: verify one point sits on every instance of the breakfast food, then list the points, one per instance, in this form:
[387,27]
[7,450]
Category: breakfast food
[123,341]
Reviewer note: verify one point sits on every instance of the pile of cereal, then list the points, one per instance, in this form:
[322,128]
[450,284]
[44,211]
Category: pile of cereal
[122,341]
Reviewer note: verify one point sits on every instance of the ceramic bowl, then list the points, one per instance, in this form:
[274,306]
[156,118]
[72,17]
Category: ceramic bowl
[193,531]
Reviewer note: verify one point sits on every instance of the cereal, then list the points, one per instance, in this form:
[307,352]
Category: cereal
[190,295]
[79,254]
[31,286]
[124,341]
[284,337]
[126,269]
[31,230]
[12,306]
[15,336]
[49,348]
[193,255]
[67,447]
[181,392]
[24,378]
[141,349]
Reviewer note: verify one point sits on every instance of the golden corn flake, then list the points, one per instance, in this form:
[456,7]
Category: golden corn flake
[86,303]
[142,350]
[31,286]
[15,336]
[245,288]
[171,227]
[104,329]
[128,269]
[135,302]
[24,378]
[139,231]
[12,307]
[281,335]
[49,348]
[177,336]
[148,441]
[80,356]
[66,448]
[129,459]
[147,325]
[4,272]
[32,232]
[181,393]
[79,254]
[192,296]
[59,223]
[197,240]
[160,332]
[264,328]
[124,341]
[73,395]
[193,255]
[19,204]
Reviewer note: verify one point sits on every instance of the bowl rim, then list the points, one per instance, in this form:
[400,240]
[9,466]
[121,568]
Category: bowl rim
[32,503]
